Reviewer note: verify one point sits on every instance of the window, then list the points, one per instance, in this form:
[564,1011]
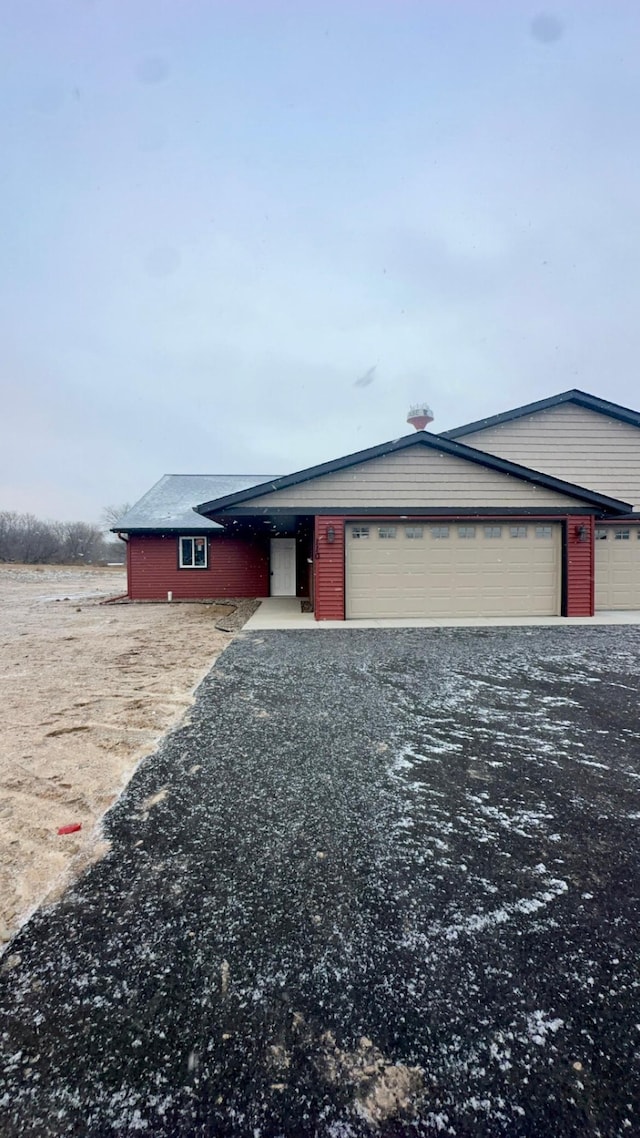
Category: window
[359,532]
[414,532]
[466,531]
[386,532]
[439,531]
[518,531]
[193,552]
[493,531]
[601,533]
[543,531]
[622,535]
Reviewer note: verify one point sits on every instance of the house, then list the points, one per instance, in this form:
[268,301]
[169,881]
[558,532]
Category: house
[533,512]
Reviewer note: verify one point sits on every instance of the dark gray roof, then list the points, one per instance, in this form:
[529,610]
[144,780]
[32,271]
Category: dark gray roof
[581,398]
[236,499]
[170,504]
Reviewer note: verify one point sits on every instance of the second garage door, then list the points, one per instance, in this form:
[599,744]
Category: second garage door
[449,570]
[617,567]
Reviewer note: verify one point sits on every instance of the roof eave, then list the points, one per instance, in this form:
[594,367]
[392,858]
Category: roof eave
[580,398]
[423,438]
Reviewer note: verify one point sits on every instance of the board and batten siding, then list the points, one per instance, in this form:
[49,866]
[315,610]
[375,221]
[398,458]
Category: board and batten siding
[572,443]
[417,476]
[236,568]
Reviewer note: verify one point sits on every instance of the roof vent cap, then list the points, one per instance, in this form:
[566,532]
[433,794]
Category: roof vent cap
[419,415]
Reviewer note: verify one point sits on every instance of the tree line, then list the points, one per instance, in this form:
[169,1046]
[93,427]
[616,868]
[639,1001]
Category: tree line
[30,540]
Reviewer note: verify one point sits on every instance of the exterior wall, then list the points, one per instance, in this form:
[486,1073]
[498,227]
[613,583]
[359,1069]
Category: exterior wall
[579,568]
[418,476]
[573,443]
[329,566]
[237,568]
[328,570]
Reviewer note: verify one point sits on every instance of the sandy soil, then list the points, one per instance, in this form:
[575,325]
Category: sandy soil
[87,690]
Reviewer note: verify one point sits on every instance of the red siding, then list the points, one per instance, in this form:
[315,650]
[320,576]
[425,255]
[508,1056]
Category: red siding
[329,569]
[580,567]
[237,568]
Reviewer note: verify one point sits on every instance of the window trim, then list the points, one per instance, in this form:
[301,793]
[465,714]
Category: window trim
[193,538]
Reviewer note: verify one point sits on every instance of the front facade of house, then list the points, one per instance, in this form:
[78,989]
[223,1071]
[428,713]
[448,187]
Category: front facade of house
[527,514]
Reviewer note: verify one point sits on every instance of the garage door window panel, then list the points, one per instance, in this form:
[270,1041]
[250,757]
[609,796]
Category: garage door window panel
[492,532]
[439,532]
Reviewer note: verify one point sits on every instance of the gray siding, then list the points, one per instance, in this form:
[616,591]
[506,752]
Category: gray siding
[571,443]
[415,477]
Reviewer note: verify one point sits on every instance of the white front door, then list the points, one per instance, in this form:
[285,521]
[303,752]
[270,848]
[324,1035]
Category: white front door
[283,566]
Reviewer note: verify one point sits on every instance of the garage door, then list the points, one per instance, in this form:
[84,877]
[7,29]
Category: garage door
[427,570]
[617,567]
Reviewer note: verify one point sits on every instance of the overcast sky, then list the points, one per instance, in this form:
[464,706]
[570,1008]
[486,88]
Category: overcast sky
[219,215]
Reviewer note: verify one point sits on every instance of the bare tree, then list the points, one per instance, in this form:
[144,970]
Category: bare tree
[112,514]
[28,539]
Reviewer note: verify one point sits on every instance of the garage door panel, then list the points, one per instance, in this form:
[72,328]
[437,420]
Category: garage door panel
[617,567]
[453,575]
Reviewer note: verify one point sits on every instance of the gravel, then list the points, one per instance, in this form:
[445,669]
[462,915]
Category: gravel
[380,883]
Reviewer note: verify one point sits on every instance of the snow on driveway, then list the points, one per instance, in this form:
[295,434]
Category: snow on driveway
[382,882]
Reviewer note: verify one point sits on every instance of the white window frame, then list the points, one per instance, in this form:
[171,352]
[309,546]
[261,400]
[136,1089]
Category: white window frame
[466,533]
[387,533]
[492,533]
[622,534]
[440,533]
[544,532]
[193,538]
[518,531]
[601,533]
[359,533]
[414,533]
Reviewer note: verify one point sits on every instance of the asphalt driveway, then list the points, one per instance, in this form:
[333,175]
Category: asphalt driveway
[382,882]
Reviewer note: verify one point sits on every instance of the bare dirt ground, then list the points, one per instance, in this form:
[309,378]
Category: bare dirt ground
[87,690]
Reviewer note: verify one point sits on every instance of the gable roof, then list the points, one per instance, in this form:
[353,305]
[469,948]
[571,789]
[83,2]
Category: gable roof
[420,438]
[580,398]
[170,505]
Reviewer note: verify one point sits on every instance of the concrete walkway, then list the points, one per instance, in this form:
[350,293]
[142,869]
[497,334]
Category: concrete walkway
[286,613]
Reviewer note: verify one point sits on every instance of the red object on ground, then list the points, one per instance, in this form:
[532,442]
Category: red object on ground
[70,829]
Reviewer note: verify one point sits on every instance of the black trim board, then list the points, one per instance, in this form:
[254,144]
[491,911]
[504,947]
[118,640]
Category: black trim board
[421,438]
[168,531]
[579,398]
[415,511]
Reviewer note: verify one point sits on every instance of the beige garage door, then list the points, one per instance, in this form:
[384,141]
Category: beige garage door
[427,570]
[617,567]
